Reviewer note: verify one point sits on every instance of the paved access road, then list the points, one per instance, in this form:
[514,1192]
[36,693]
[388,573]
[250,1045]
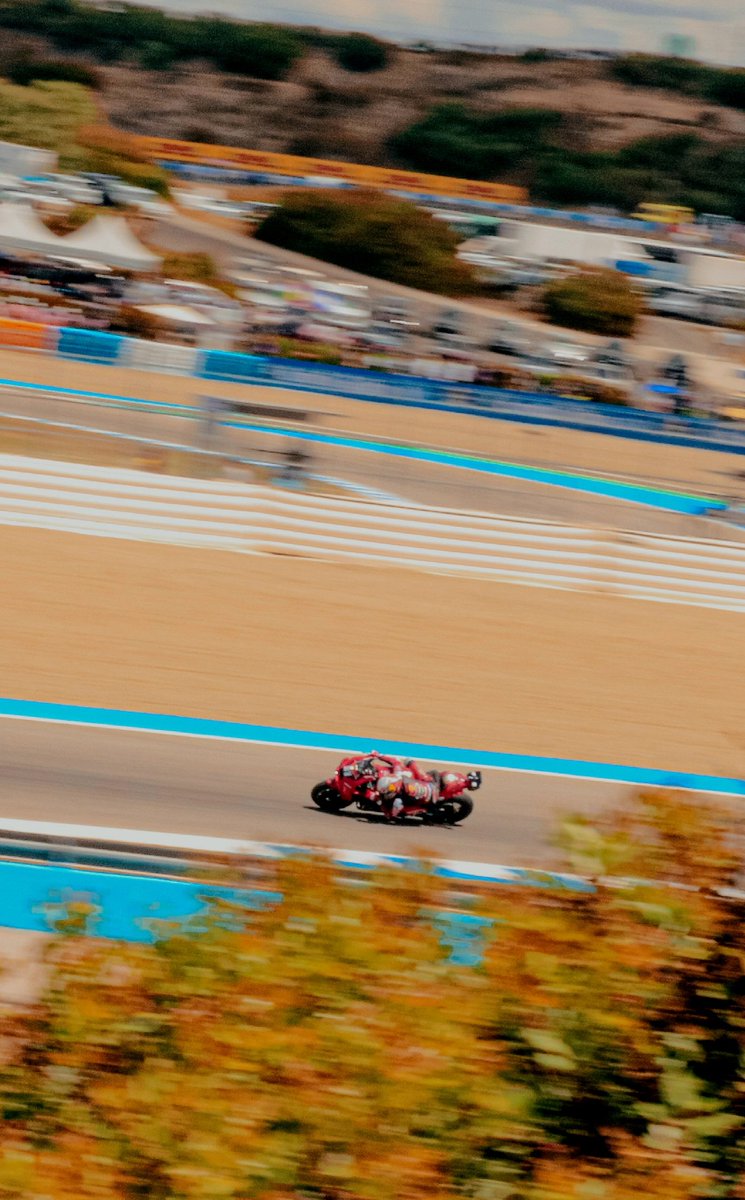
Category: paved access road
[177,784]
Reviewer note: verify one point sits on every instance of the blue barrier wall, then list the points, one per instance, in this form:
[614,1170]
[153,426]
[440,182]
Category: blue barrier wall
[130,907]
[233,368]
[90,345]
[538,408]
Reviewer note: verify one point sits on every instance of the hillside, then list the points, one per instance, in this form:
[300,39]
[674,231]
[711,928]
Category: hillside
[567,131]
[321,109]
[572,131]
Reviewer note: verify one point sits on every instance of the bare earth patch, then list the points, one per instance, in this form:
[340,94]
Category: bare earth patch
[324,110]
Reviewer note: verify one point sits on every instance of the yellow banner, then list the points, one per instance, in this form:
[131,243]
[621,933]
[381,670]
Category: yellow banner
[166,149]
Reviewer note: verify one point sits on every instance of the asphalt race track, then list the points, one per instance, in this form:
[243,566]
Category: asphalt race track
[166,783]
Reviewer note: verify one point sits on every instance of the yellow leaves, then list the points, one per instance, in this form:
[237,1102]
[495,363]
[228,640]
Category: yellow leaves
[550,1049]
[327,1047]
[16,1170]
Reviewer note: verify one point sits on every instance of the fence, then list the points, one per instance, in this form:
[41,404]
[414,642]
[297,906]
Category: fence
[260,520]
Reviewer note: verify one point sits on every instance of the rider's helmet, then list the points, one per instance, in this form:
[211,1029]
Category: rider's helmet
[474,780]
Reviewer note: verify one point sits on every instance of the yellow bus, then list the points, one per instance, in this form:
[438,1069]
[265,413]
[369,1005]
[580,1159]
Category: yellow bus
[665,214]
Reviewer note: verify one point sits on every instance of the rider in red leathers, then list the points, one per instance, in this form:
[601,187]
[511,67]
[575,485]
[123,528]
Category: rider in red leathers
[403,782]
[392,782]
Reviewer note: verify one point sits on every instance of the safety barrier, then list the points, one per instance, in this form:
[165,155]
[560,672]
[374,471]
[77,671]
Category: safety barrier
[28,335]
[184,854]
[258,520]
[89,345]
[158,356]
[354,383]
[131,880]
[135,882]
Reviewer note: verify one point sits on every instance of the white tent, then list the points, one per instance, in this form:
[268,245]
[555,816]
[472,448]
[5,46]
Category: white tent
[21,229]
[111,241]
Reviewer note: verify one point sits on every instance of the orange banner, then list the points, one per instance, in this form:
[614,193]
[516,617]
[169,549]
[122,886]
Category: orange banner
[29,334]
[168,150]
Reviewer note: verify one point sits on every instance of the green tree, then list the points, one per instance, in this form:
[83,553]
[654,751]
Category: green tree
[25,69]
[452,140]
[324,1044]
[600,301]
[359,52]
[371,233]
[266,51]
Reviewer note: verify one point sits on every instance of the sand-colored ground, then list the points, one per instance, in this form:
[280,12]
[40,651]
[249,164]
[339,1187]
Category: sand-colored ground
[672,466]
[370,652]
[322,110]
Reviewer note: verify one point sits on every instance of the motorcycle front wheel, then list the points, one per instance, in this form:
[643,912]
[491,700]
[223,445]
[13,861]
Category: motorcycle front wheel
[327,798]
[452,812]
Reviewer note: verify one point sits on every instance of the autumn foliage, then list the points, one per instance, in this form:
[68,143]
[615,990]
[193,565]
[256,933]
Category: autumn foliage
[327,1045]
[600,300]
[373,234]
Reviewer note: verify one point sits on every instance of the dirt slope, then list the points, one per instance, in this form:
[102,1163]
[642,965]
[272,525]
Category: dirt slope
[322,109]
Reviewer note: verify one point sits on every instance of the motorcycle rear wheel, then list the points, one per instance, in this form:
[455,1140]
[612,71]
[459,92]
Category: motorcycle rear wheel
[327,798]
[452,812]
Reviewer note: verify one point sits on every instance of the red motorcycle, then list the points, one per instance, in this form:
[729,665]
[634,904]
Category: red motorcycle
[355,779]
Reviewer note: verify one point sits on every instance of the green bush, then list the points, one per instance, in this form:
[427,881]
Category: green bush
[679,169]
[373,234]
[47,114]
[359,52]
[452,140]
[660,71]
[533,146]
[155,56]
[25,69]
[599,301]
[266,51]
[722,85]
[536,54]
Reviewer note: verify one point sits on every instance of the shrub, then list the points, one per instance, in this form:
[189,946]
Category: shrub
[599,301]
[48,113]
[680,169]
[452,140]
[196,268]
[358,52]
[330,356]
[534,145]
[373,234]
[721,84]
[76,218]
[25,69]
[660,71]
[156,56]
[115,153]
[323,1043]
[266,51]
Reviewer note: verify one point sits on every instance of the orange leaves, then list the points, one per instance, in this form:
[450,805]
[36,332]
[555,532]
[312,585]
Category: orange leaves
[326,1047]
